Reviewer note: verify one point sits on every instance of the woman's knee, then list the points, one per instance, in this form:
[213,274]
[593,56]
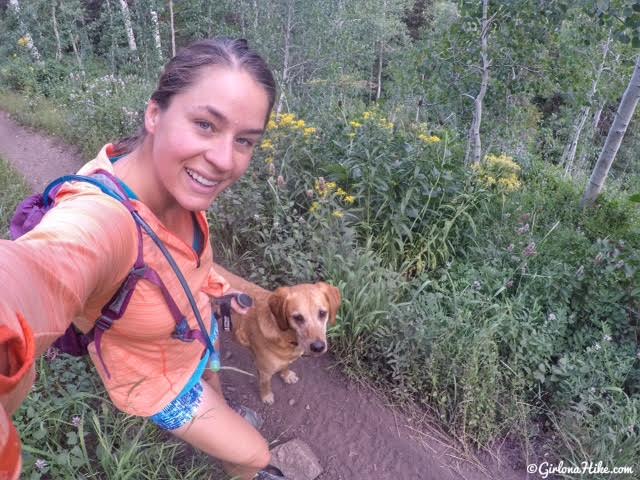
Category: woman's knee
[261,457]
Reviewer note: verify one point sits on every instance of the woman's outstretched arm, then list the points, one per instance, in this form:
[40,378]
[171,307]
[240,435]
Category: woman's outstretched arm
[83,248]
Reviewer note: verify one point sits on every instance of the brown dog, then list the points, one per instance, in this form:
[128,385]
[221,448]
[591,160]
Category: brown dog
[283,325]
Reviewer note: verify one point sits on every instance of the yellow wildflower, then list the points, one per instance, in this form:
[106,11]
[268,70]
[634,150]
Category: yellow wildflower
[349,199]
[351,135]
[315,206]
[268,160]
[287,119]
[331,186]
[341,193]
[266,145]
[355,124]
[320,186]
[271,125]
[428,139]
[338,214]
[23,41]
[300,124]
[367,115]
[309,131]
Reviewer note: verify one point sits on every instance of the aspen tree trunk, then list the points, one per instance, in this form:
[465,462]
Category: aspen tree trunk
[596,118]
[569,154]
[614,138]
[474,148]
[156,33]
[127,25]
[15,4]
[74,45]
[255,18]
[285,63]
[379,89]
[173,29]
[55,31]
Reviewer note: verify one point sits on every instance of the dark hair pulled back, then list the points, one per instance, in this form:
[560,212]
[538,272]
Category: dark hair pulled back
[183,70]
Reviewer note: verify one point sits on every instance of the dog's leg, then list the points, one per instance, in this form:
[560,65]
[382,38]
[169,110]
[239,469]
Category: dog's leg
[265,387]
[289,376]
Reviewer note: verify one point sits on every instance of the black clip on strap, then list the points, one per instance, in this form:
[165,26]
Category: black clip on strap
[244,300]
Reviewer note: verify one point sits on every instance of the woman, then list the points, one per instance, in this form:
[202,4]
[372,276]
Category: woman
[200,127]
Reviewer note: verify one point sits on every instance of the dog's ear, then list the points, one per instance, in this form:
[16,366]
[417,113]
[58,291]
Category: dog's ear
[278,304]
[334,297]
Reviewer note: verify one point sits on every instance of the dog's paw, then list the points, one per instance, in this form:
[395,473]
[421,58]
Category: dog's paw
[268,399]
[289,376]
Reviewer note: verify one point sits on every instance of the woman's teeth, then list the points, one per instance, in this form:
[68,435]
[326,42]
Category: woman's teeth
[200,179]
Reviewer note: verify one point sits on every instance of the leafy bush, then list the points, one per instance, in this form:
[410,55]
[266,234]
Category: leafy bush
[70,430]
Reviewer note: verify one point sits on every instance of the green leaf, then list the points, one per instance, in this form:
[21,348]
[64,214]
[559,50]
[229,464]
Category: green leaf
[603,5]
[635,198]
[623,37]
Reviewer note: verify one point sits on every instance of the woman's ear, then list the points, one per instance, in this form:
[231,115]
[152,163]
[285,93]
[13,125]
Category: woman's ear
[151,114]
[278,307]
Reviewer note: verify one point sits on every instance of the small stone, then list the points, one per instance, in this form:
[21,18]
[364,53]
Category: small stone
[296,460]
[292,402]
[307,407]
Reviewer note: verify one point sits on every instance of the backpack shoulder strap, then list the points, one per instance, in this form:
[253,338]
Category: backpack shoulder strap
[118,304]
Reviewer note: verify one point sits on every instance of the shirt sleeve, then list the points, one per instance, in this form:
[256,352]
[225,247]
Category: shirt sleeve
[84,247]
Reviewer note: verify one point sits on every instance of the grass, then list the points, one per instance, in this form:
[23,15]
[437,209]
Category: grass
[13,189]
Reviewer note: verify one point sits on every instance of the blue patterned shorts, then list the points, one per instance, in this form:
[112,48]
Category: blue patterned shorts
[180,411]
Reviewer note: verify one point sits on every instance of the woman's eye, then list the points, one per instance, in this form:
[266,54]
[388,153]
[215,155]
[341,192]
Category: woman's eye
[204,125]
[245,142]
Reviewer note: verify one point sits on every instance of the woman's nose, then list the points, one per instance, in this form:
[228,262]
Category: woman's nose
[220,154]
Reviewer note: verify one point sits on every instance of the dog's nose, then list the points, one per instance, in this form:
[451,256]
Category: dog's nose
[317,346]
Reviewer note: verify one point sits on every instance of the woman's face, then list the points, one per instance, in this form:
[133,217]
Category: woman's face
[203,142]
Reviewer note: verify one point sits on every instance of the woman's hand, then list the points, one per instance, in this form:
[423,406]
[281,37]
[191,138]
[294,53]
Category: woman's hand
[237,308]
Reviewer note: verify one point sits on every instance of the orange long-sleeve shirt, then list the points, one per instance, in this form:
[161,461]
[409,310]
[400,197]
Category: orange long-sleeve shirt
[68,267]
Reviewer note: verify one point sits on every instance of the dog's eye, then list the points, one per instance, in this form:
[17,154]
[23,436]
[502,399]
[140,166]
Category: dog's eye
[322,314]
[298,318]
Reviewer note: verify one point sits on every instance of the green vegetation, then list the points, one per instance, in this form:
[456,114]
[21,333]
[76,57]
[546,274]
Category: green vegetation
[12,190]
[481,292]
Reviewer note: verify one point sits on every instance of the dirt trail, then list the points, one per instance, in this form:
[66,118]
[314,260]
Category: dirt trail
[350,428]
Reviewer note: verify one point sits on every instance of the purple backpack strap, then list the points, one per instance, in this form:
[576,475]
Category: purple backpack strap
[31,211]
[116,307]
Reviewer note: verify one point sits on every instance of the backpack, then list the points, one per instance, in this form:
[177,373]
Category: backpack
[31,211]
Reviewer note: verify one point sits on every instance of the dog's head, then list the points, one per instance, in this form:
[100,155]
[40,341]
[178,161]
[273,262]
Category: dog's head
[306,309]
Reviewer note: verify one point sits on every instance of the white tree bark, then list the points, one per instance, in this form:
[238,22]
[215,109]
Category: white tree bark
[285,64]
[15,4]
[474,146]
[614,138]
[569,154]
[55,31]
[76,51]
[173,29]
[156,33]
[379,88]
[127,25]
[596,118]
